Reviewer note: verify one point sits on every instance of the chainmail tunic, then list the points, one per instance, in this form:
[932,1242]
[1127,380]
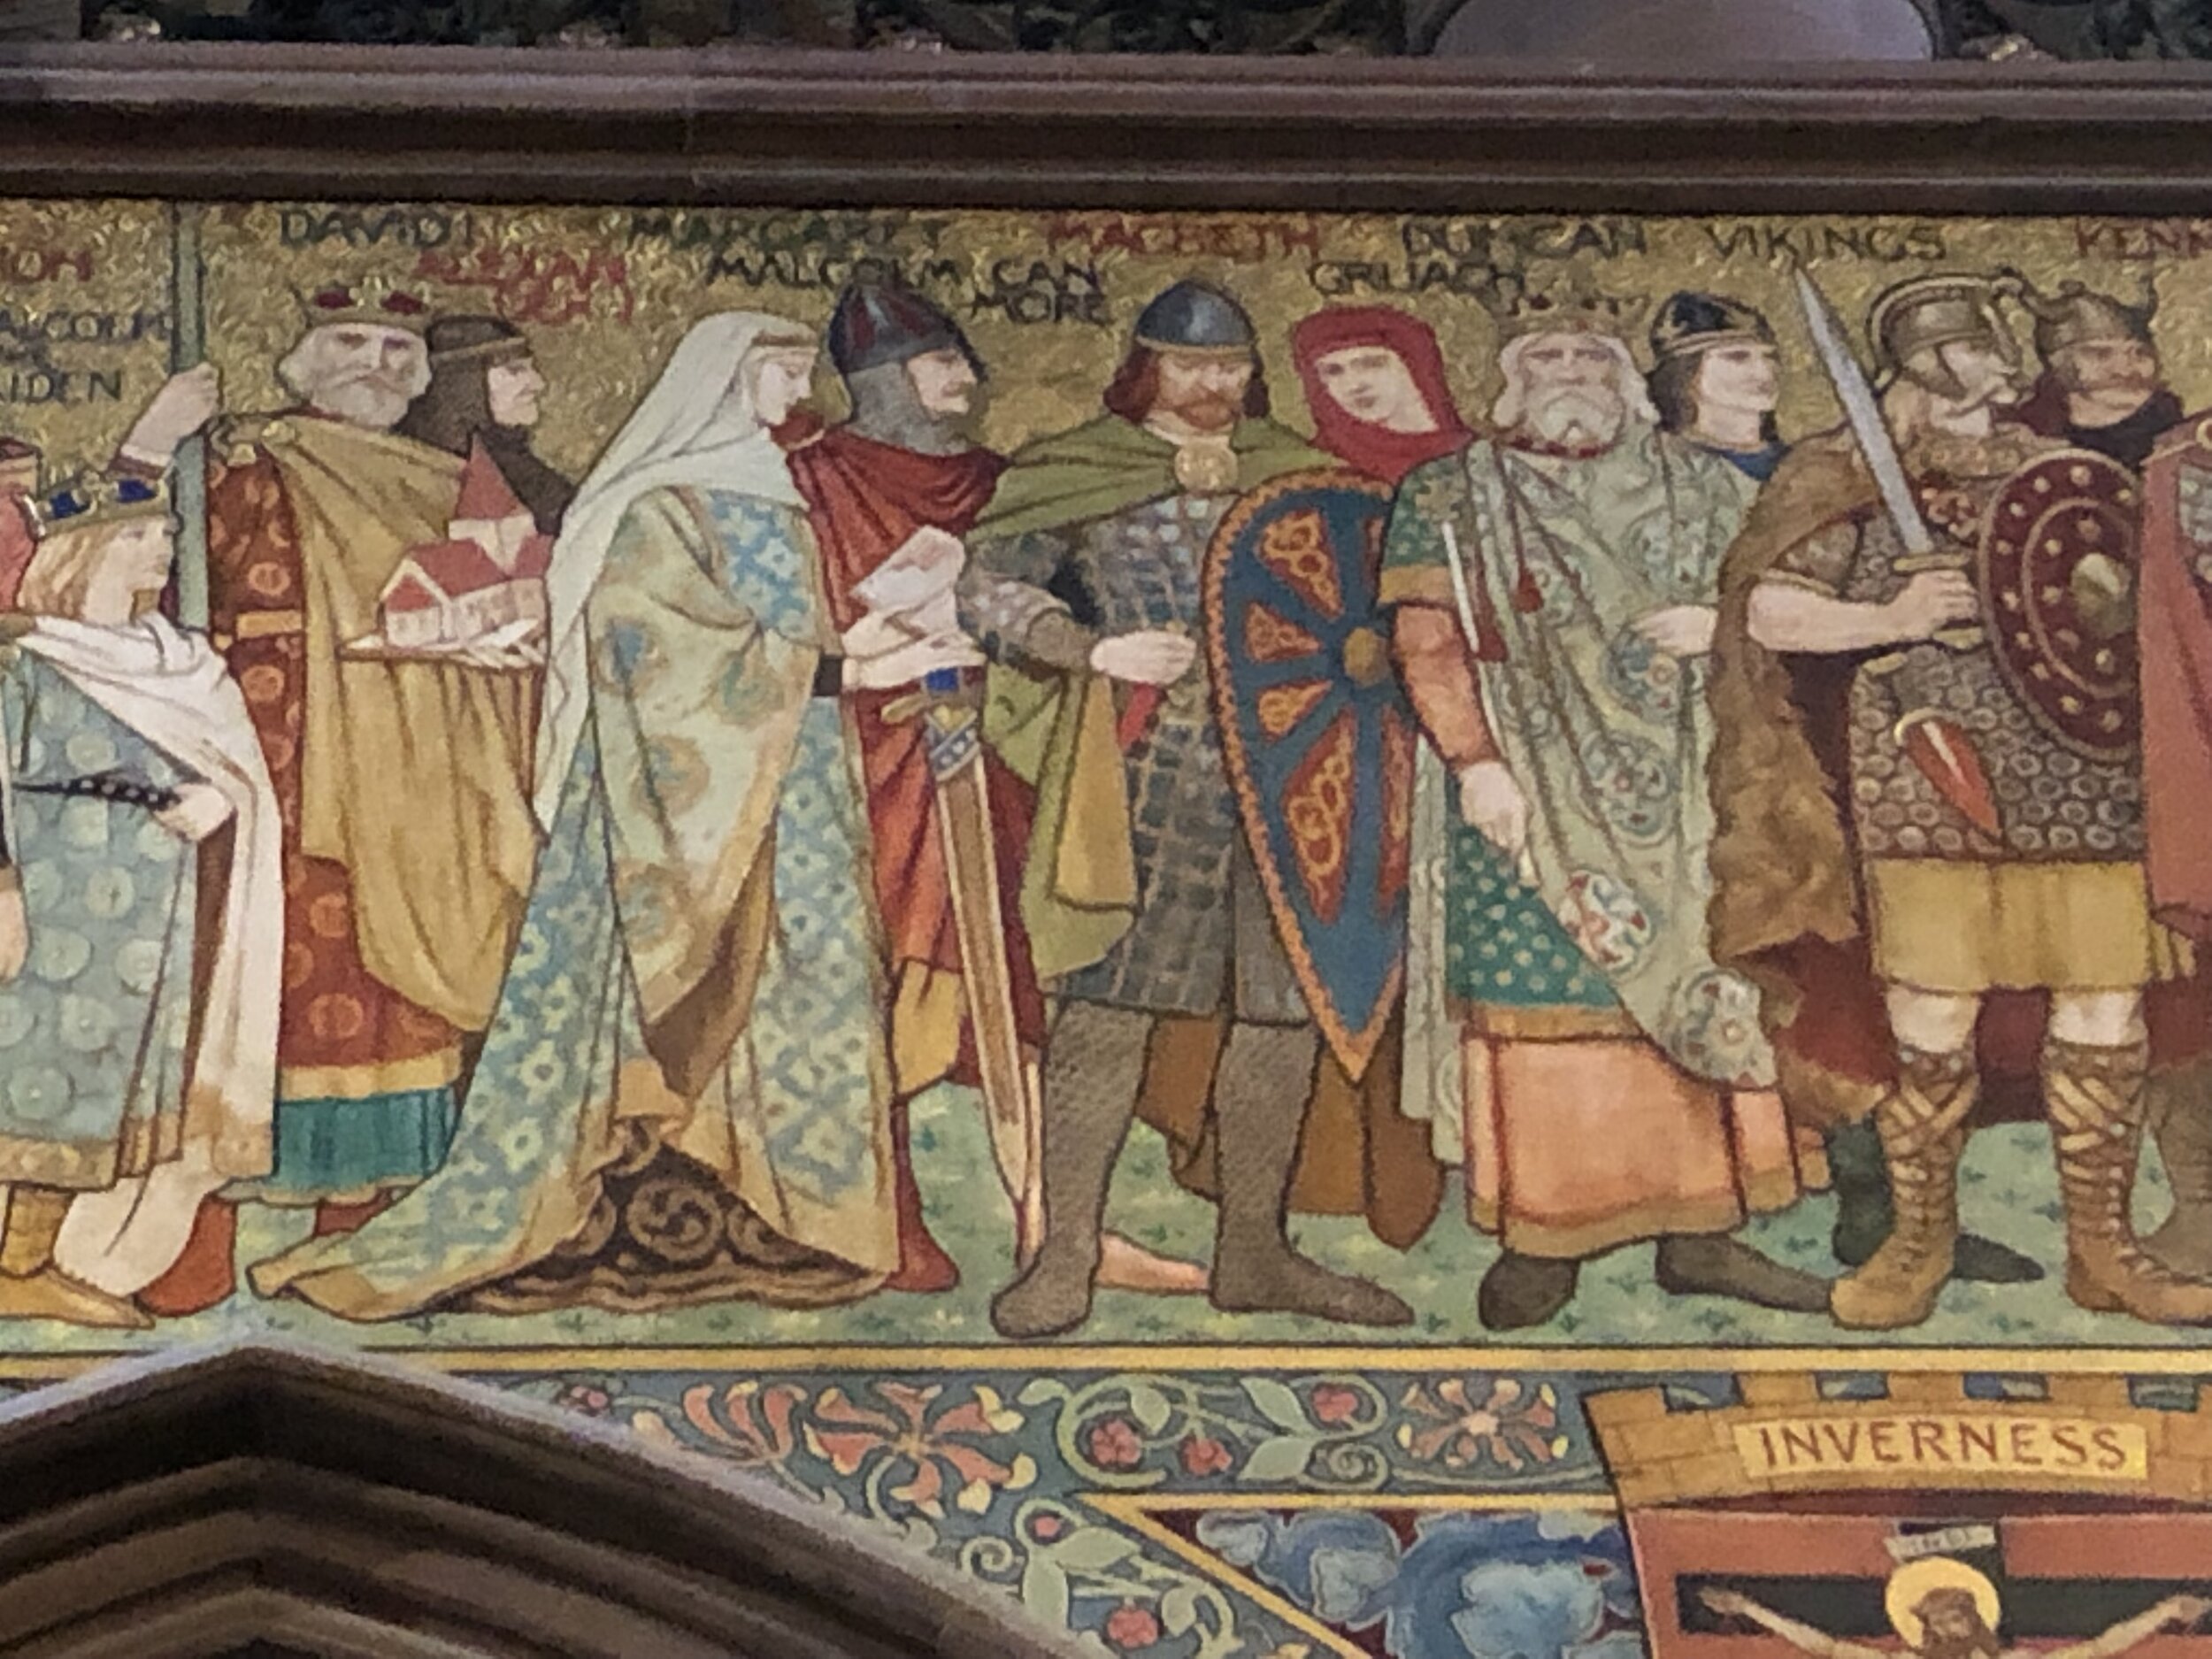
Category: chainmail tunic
[1202,940]
[2052,805]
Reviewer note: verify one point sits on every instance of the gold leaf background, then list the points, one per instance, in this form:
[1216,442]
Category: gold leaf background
[1046,376]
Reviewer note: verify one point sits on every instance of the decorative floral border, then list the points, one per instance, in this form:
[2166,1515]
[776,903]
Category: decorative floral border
[1015,1479]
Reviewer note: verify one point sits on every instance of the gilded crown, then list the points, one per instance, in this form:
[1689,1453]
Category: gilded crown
[97,498]
[1574,306]
[1689,322]
[371,300]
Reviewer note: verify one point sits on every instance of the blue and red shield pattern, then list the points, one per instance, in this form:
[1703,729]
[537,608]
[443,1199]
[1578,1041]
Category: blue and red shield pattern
[1319,737]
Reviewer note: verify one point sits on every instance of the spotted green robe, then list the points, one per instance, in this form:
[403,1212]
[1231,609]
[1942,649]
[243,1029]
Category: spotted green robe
[93,1032]
[1603,932]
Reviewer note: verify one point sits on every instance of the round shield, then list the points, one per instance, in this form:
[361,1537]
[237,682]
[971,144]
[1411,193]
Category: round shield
[2057,572]
[1318,737]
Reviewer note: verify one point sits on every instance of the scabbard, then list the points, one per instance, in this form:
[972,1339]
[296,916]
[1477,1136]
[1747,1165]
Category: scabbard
[954,740]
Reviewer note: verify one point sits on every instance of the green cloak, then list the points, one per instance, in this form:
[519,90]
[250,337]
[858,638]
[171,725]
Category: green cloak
[1057,730]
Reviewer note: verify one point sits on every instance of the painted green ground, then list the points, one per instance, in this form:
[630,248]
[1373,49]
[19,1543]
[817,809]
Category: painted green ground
[2010,1194]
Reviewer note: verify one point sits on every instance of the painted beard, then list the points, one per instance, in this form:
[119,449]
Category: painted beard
[887,410]
[1981,1645]
[365,400]
[1576,414]
[1204,412]
[2112,385]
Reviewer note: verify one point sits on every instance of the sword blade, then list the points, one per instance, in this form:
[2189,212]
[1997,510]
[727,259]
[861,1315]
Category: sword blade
[964,824]
[1863,411]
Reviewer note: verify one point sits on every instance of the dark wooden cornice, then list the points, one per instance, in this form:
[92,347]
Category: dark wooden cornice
[835,129]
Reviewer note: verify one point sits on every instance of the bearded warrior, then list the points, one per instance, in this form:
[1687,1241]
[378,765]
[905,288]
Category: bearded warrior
[1991,836]
[2103,387]
[888,489]
[1141,894]
[1555,587]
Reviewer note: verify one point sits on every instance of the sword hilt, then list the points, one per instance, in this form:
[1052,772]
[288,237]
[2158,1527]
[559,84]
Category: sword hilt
[951,733]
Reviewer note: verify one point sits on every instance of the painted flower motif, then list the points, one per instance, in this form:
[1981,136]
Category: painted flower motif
[39,1093]
[533,950]
[1130,1627]
[83,823]
[754,1425]
[925,1447]
[91,752]
[1114,1444]
[43,883]
[58,954]
[1334,1404]
[138,964]
[557,1004]
[523,1143]
[626,655]
[544,1071]
[1511,1428]
[1046,1528]
[590,1399]
[110,893]
[1202,1455]
[87,1025]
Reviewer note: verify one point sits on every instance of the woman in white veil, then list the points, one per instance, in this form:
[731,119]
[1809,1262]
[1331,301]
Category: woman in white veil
[685,1094]
[695,428]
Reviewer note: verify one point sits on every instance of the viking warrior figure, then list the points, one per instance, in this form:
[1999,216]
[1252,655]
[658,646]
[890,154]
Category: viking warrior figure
[404,879]
[684,1094]
[1141,896]
[1555,587]
[1994,807]
[140,912]
[1942,1609]
[888,490]
[2102,386]
[1716,378]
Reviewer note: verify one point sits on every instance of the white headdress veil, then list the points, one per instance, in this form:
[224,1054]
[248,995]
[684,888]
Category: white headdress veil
[695,429]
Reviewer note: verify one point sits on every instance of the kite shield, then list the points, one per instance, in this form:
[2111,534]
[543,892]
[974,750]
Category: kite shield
[1318,737]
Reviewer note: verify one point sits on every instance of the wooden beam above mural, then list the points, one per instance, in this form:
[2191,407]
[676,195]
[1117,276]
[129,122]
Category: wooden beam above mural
[892,129]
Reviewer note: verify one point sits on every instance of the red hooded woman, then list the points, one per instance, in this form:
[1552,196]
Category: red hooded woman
[1375,385]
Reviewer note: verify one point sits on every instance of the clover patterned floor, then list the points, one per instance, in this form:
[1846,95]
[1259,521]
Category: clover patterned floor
[2010,1193]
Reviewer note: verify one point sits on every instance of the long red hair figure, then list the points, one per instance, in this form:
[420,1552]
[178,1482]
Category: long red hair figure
[1368,445]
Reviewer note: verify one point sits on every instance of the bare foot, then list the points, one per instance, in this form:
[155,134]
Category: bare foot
[1125,1264]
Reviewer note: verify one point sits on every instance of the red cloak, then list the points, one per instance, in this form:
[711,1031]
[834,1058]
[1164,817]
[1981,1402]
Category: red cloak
[864,498]
[2174,638]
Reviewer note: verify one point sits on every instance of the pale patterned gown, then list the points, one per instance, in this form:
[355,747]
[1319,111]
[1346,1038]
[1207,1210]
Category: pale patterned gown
[685,1093]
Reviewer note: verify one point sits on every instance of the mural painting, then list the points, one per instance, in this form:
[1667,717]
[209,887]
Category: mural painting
[1439,937]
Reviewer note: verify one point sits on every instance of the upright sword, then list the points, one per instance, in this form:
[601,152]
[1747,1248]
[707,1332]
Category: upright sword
[953,739]
[1935,743]
[1863,411]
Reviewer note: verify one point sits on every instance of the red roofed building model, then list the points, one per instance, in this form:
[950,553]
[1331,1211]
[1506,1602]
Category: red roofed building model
[488,576]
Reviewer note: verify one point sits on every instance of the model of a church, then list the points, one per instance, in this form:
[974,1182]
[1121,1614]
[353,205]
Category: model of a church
[487,579]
